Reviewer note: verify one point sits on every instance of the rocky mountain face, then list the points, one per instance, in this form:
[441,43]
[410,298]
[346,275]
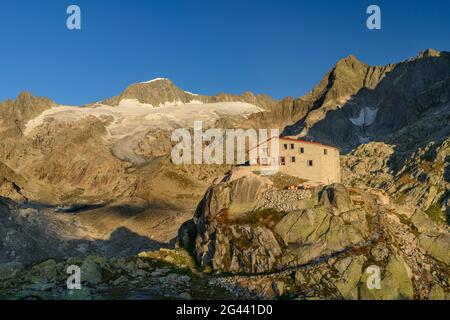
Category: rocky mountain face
[362,103]
[323,239]
[156,92]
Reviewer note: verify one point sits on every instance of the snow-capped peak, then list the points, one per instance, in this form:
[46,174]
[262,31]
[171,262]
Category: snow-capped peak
[367,116]
[156,79]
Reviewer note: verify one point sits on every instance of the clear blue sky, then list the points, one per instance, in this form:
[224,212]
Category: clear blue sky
[206,46]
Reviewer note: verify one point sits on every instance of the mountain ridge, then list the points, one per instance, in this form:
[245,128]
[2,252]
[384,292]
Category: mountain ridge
[353,104]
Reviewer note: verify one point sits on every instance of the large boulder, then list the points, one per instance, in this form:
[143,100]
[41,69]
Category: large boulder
[237,233]
[10,270]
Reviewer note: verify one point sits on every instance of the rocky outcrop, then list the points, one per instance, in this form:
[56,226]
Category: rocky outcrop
[49,156]
[344,80]
[156,93]
[368,165]
[332,244]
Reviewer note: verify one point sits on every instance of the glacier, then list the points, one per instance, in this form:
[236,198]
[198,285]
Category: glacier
[367,116]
